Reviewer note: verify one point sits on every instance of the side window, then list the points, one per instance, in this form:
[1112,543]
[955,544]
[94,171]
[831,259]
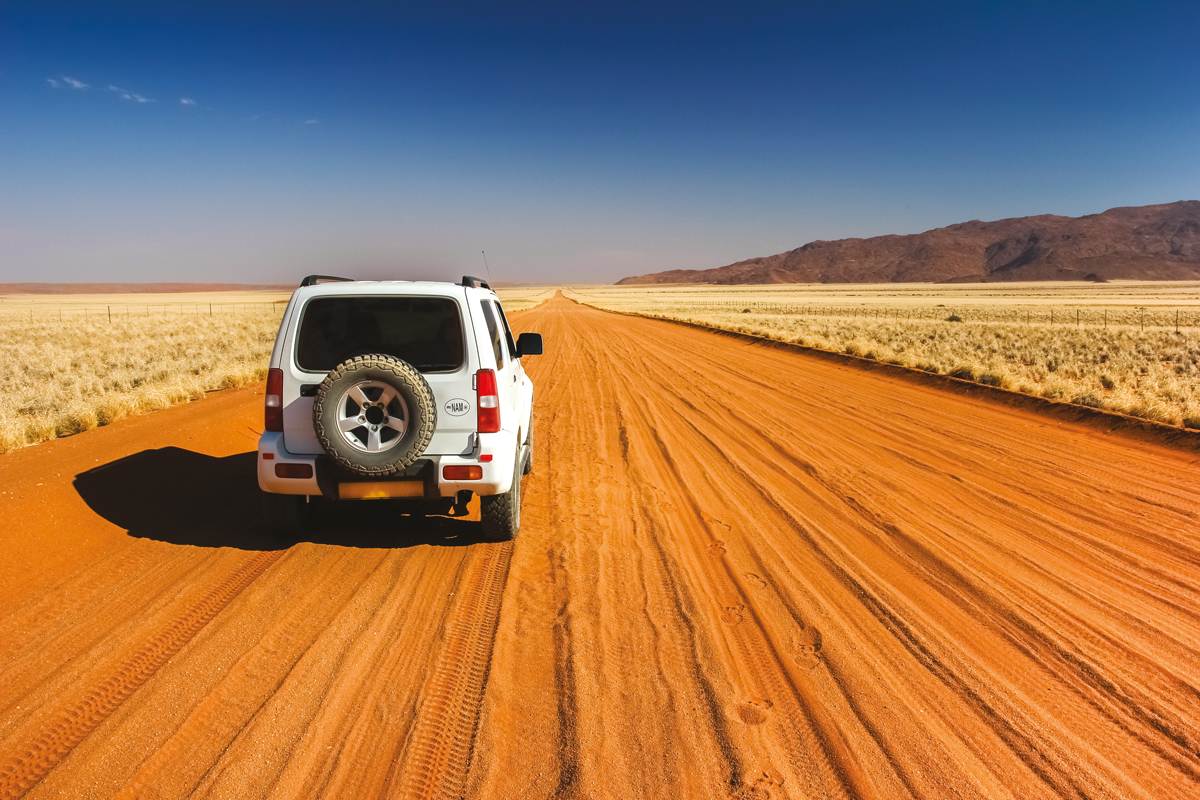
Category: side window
[512,343]
[493,327]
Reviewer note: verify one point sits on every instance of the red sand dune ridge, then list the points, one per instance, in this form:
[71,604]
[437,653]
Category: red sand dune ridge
[742,573]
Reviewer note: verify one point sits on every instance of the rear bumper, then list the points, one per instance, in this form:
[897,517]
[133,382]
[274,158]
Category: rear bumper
[327,476]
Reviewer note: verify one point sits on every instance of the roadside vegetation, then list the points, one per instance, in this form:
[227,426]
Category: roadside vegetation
[524,298]
[70,366]
[1126,359]
[59,378]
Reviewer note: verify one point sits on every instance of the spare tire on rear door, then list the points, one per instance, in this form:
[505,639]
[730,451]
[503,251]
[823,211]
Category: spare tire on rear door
[374,414]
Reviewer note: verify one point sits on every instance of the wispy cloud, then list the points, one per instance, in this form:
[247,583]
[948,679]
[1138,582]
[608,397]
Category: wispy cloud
[124,94]
[127,95]
[312,122]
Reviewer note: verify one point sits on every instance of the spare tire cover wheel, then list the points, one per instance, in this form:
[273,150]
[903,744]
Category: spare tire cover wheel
[374,414]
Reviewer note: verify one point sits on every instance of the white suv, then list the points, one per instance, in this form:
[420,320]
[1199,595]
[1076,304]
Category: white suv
[397,390]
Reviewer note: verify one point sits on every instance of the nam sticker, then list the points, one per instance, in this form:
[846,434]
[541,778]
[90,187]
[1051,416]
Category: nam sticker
[457,407]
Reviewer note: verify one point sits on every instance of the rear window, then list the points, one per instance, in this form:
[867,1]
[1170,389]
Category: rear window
[424,331]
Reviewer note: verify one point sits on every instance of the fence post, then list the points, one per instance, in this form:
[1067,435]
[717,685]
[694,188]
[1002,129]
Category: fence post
[1177,320]
[110,315]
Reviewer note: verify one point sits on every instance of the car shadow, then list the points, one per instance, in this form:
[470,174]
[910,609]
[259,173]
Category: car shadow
[177,496]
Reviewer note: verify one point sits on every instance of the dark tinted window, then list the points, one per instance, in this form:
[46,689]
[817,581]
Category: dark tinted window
[493,327]
[512,343]
[424,331]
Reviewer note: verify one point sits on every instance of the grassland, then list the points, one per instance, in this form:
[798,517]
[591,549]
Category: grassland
[1129,347]
[522,298]
[63,377]
[69,363]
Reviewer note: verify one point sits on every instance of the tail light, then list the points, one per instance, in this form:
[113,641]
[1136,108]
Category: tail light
[273,416]
[487,401]
[468,472]
[293,471]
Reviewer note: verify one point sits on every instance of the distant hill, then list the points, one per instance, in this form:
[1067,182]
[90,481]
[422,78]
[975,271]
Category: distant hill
[136,288]
[1159,242]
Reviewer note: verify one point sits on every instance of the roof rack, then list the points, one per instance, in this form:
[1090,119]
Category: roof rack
[475,283]
[313,280]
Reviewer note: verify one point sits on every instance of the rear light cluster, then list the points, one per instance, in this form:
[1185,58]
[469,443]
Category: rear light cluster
[466,472]
[302,471]
[487,401]
[273,416]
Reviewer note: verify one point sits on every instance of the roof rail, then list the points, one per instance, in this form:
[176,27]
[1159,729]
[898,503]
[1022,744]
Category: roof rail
[313,280]
[475,283]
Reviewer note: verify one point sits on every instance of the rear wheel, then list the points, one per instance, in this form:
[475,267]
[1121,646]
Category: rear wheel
[500,514]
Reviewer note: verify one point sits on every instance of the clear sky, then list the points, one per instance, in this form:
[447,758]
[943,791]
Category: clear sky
[259,142]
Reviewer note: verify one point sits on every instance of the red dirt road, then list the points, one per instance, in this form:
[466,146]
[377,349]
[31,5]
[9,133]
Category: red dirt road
[742,572]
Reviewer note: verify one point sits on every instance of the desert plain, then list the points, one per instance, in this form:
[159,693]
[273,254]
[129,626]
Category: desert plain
[744,571]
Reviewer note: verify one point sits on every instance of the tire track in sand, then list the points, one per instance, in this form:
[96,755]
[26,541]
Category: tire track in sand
[438,752]
[67,729]
[816,749]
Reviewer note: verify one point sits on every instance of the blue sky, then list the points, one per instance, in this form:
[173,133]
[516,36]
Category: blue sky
[260,142]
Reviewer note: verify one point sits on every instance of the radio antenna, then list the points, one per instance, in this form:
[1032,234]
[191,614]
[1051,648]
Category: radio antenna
[485,266]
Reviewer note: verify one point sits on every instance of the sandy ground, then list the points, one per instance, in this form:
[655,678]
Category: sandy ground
[743,572]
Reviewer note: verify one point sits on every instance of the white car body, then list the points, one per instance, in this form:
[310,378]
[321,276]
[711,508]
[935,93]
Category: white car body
[455,441]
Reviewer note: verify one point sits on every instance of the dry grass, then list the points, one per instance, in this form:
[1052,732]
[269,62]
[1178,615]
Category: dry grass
[65,368]
[523,298]
[59,378]
[1150,374]
[1042,294]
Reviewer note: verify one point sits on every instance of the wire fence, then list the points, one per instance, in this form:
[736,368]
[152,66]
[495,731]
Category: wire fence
[50,312]
[1093,317]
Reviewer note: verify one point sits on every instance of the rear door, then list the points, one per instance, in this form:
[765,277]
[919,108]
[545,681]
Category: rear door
[430,331]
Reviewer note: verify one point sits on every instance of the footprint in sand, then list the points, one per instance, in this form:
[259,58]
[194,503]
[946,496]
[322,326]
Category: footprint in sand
[759,787]
[660,499]
[716,524]
[733,615]
[805,647]
[755,580]
[716,548]
[754,712]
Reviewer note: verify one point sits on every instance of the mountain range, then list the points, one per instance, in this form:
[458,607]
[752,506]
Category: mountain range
[1158,242]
